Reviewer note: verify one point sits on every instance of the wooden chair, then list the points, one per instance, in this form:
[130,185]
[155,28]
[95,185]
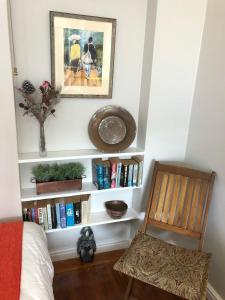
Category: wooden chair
[179,202]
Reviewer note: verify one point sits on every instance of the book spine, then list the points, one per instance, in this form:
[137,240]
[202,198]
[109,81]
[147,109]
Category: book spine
[57,214]
[107,184]
[94,173]
[118,175]
[53,214]
[140,173]
[45,218]
[25,218]
[62,215]
[49,216]
[113,174]
[97,174]
[33,214]
[40,216]
[100,177]
[29,215]
[69,214]
[123,181]
[77,212]
[36,215]
[88,210]
[84,212]
[135,175]
[130,175]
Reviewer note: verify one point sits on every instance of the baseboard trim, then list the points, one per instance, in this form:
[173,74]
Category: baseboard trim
[69,253]
[212,293]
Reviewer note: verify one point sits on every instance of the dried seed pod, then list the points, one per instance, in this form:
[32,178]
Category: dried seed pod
[27,87]
[21,105]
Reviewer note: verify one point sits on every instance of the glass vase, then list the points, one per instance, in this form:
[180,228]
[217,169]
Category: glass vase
[42,144]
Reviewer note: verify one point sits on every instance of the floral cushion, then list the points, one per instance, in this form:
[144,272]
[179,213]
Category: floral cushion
[174,269]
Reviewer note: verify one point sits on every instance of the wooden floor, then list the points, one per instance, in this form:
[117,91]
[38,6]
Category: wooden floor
[98,281]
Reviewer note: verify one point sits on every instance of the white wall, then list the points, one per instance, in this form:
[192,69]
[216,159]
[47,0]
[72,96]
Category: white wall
[178,34]
[32,43]
[69,129]
[174,59]
[206,141]
[9,179]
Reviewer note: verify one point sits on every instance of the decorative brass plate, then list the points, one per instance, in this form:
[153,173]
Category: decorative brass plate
[112,129]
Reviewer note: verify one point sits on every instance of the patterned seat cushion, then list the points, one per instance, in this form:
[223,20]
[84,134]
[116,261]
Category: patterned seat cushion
[174,269]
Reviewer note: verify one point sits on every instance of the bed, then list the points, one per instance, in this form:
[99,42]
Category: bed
[29,278]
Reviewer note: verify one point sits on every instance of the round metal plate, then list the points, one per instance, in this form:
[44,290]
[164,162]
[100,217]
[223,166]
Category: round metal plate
[112,129]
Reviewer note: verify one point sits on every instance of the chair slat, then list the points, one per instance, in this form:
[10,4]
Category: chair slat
[183,171]
[156,193]
[179,200]
[174,228]
[187,206]
[174,199]
[201,205]
[180,204]
[168,198]
[194,205]
[161,199]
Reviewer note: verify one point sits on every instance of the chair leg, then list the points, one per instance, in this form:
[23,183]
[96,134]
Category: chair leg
[129,286]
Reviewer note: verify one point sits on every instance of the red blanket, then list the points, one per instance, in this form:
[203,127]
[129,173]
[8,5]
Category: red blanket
[11,235]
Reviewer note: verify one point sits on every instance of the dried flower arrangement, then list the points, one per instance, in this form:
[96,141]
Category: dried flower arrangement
[39,103]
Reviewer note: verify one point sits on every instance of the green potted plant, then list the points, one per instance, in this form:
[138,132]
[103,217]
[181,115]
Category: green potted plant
[58,177]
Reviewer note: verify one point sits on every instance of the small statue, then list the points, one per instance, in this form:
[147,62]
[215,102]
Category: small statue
[86,246]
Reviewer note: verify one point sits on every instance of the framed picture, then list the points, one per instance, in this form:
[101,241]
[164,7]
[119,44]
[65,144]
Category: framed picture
[82,55]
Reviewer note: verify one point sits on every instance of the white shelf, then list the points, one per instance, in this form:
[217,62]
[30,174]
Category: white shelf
[75,154]
[29,194]
[99,218]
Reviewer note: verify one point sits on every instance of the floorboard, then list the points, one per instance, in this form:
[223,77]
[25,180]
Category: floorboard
[98,281]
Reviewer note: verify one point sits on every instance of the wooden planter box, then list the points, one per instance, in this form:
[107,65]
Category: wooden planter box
[58,186]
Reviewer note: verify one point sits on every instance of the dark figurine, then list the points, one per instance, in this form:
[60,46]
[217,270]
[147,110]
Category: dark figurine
[86,246]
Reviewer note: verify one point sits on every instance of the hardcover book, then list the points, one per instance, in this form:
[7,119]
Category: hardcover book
[62,209]
[139,160]
[29,215]
[135,174]
[33,214]
[84,211]
[130,173]
[107,174]
[36,214]
[113,171]
[25,218]
[49,216]
[54,218]
[40,216]
[97,173]
[45,218]
[124,172]
[57,214]
[69,214]
[77,212]
[118,175]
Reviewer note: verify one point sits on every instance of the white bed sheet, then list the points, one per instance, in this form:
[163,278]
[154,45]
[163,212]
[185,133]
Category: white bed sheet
[37,269]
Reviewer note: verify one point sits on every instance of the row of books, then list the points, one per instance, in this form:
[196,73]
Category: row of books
[115,172]
[52,214]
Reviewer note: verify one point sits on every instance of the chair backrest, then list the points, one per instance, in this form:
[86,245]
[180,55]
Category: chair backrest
[179,200]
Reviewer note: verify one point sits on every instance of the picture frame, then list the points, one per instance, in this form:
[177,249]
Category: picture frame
[82,55]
